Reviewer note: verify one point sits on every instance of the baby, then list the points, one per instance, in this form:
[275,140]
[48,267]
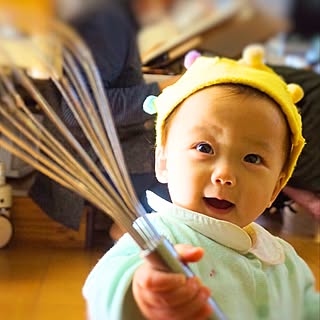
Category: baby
[228,138]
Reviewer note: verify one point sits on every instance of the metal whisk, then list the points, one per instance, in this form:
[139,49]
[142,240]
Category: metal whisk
[74,74]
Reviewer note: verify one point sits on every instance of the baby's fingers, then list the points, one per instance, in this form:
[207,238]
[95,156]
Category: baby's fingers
[189,301]
[189,253]
[152,279]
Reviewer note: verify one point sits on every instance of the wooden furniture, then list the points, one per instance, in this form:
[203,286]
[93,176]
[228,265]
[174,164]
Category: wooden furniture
[30,223]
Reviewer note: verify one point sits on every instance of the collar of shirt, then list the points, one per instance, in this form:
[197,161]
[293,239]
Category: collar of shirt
[252,239]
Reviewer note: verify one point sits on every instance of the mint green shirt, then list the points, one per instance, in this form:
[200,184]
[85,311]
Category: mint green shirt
[251,274]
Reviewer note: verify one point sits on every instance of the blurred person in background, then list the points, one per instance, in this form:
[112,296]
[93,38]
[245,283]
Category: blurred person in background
[110,30]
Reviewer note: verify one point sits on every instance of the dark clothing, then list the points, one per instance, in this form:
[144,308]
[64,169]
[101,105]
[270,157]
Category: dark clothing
[110,33]
[306,175]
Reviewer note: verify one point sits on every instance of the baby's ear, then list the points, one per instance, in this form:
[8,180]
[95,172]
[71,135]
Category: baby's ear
[161,165]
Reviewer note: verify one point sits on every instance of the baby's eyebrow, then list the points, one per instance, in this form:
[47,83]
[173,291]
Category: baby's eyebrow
[261,145]
[203,128]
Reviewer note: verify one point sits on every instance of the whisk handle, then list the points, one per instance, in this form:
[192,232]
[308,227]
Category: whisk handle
[165,257]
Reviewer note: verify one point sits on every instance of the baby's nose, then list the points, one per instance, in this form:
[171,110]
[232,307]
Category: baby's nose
[226,181]
[223,176]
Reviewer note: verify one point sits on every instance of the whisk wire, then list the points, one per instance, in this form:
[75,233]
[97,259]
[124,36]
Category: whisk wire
[69,163]
[77,47]
[39,132]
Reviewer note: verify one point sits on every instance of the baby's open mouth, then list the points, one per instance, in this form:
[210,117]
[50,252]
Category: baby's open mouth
[218,204]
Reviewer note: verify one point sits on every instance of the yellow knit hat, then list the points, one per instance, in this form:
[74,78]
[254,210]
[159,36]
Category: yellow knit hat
[250,71]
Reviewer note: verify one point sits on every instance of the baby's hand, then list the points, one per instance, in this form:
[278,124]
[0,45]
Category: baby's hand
[164,295]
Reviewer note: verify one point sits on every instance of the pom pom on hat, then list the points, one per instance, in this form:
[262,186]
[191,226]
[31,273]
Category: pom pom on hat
[149,105]
[296,92]
[253,55]
[190,57]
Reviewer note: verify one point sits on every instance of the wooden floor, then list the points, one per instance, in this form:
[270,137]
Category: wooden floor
[40,280]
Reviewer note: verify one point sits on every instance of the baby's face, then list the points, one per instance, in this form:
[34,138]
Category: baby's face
[224,155]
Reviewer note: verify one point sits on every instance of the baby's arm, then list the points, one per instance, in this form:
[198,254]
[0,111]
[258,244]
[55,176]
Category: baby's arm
[163,295]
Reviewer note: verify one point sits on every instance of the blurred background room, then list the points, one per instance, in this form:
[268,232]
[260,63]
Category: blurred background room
[45,257]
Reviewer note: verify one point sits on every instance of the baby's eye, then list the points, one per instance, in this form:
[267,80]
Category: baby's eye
[204,147]
[253,158]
